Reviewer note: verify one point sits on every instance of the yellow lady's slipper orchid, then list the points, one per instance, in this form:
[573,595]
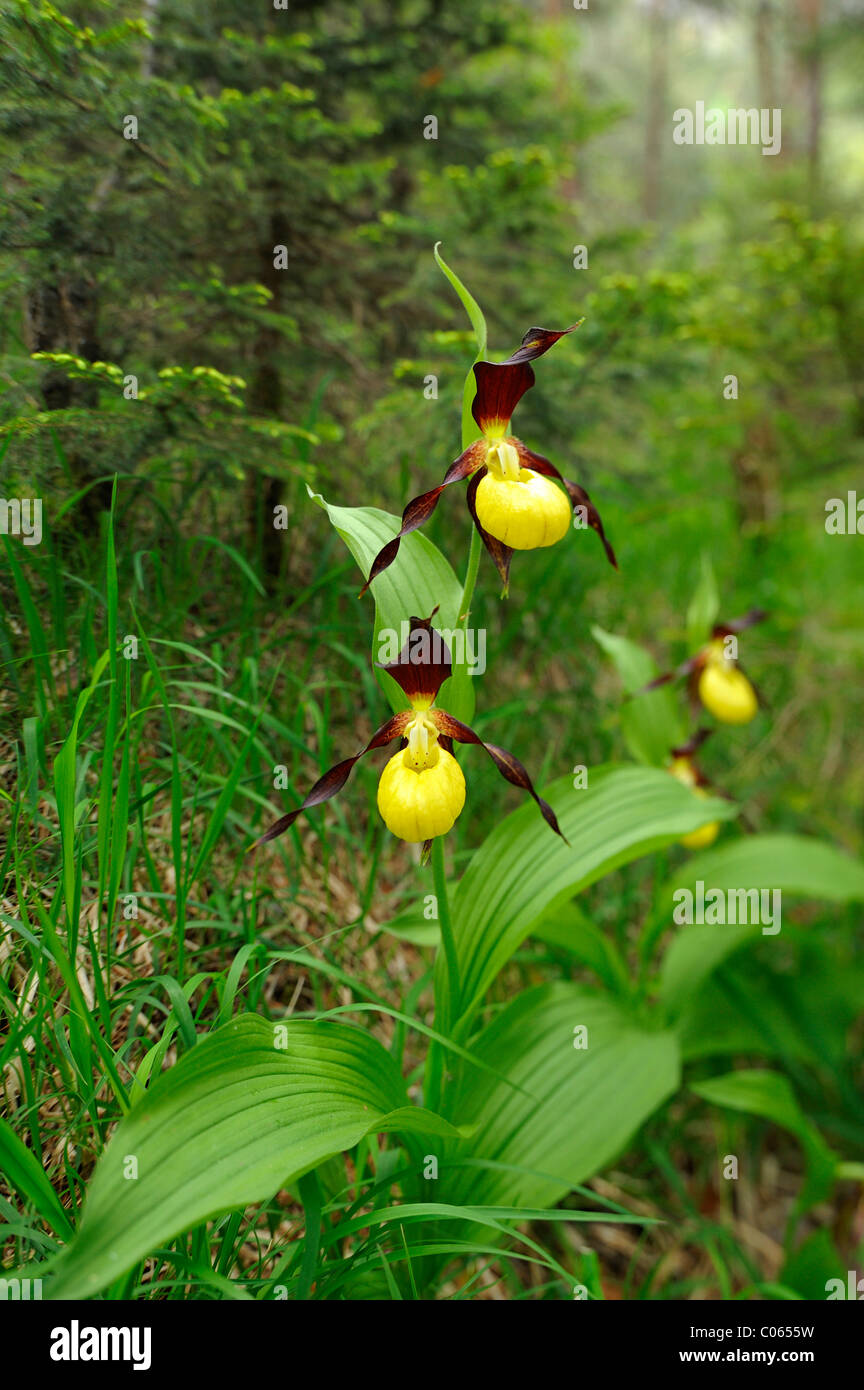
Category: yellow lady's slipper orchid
[418,803]
[685,770]
[422,790]
[715,678]
[724,689]
[512,499]
[518,507]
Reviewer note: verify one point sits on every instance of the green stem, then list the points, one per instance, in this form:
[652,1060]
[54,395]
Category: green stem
[470,576]
[448,940]
[310,1196]
[446,993]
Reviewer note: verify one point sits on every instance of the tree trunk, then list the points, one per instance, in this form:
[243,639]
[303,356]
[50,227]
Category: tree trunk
[763,39]
[810,15]
[61,315]
[263,494]
[657,116]
[754,467]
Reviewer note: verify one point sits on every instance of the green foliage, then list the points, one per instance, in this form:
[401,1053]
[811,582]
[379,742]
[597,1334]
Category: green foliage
[516,874]
[419,581]
[245,1112]
[770,1095]
[578,1102]
[208,321]
[652,725]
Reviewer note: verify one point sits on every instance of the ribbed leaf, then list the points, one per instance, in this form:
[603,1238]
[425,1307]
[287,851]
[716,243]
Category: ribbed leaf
[768,1094]
[567,927]
[522,868]
[652,724]
[795,864]
[704,606]
[808,1012]
[582,1105]
[237,1118]
[418,579]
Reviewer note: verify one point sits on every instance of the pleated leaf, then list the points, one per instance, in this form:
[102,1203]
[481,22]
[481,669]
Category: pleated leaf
[418,579]
[652,724]
[770,1095]
[522,868]
[796,865]
[577,1107]
[247,1111]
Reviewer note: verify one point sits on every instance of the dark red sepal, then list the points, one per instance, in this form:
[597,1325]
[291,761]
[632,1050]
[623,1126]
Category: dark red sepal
[419,509]
[689,750]
[691,667]
[578,496]
[501,554]
[756,615]
[691,747]
[500,388]
[539,340]
[424,663]
[694,665]
[334,780]
[510,767]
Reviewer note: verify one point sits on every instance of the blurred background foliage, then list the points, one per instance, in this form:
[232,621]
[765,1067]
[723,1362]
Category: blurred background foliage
[304,129]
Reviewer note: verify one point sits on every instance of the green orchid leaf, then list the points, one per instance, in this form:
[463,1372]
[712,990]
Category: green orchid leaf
[412,925]
[569,929]
[523,869]
[769,1095]
[652,724]
[704,606]
[470,430]
[791,865]
[249,1110]
[578,1106]
[419,580]
[814,1266]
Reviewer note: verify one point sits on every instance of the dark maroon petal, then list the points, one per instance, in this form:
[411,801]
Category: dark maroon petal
[500,388]
[501,553]
[692,746]
[424,663]
[419,509]
[695,667]
[578,496]
[756,615]
[539,340]
[334,780]
[510,768]
[691,667]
